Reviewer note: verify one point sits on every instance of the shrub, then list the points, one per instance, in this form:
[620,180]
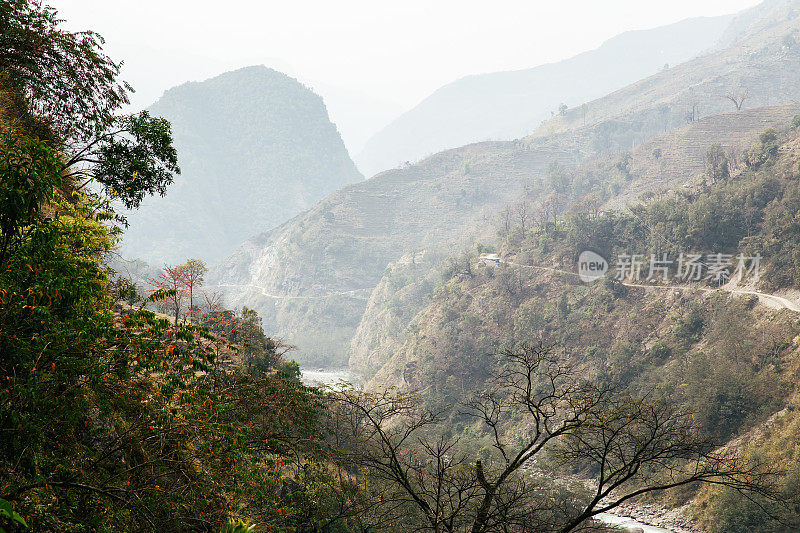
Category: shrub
[660,351]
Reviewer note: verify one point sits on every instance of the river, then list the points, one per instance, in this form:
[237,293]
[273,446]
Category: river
[630,524]
[326,376]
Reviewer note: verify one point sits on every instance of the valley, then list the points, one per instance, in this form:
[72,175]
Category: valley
[560,298]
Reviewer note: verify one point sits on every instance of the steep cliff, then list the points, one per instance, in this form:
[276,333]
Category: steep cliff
[255,147]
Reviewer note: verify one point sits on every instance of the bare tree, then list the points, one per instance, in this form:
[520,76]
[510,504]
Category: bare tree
[506,216]
[717,164]
[535,407]
[738,98]
[591,202]
[733,155]
[522,213]
[554,206]
[172,281]
[212,301]
[694,113]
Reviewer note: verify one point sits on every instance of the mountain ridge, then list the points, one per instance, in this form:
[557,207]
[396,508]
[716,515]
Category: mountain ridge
[256,147]
[354,235]
[510,104]
[680,165]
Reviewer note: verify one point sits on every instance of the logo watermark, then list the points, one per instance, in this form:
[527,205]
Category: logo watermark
[717,268]
[591,266]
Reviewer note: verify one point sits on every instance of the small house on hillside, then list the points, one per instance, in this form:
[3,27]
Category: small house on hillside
[489,259]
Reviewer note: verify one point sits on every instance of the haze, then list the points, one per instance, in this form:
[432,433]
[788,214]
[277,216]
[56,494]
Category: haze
[400,266]
[396,53]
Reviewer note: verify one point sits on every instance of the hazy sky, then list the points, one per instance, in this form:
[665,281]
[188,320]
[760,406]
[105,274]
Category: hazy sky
[396,51]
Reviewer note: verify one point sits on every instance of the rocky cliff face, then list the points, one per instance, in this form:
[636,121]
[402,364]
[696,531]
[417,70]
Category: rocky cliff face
[311,277]
[255,147]
[402,292]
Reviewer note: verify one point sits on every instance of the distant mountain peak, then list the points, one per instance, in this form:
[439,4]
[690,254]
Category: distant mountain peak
[511,104]
[256,147]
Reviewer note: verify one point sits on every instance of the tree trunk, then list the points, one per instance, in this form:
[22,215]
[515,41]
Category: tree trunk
[482,516]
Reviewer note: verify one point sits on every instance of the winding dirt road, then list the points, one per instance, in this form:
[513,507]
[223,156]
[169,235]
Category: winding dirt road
[769,300]
[776,301]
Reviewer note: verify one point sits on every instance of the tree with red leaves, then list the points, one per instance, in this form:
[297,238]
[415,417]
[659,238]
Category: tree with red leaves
[172,280]
[194,270]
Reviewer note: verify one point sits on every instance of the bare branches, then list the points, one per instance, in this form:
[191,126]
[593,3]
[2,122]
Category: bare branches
[535,406]
[386,436]
[738,98]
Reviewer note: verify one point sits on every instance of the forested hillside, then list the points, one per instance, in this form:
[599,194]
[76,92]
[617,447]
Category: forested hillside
[726,355]
[310,278]
[320,268]
[671,162]
[256,147]
[114,417]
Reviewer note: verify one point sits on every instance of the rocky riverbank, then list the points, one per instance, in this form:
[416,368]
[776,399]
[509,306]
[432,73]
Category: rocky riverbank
[672,519]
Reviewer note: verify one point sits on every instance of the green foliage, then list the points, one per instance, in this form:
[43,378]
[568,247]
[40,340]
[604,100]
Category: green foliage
[484,248]
[155,423]
[623,362]
[763,152]
[556,177]
[720,509]
[124,290]
[660,351]
[9,515]
[717,165]
[29,175]
[689,327]
[623,165]
[125,420]
[59,86]
[750,212]
[138,164]
[290,370]
[237,526]
[259,352]
[60,78]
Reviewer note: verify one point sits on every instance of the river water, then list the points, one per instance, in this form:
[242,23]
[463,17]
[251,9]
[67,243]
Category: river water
[629,523]
[326,376]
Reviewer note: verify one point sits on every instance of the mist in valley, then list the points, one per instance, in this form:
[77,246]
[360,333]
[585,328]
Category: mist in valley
[446,267]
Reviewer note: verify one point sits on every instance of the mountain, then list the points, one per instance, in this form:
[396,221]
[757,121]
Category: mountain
[255,147]
[761,65]
[727,352]
[508,105]
[389,335]
[311,278]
